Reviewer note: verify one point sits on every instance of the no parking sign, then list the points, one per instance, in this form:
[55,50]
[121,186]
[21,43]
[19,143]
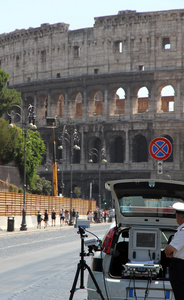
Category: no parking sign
[160,148]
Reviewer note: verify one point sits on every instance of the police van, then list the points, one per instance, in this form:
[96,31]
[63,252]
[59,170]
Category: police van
[131,264]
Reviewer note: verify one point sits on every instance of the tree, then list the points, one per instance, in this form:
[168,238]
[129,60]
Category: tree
[12,149]
[10,140]
[77,191]
[35,149]
[42,186]
[8,97]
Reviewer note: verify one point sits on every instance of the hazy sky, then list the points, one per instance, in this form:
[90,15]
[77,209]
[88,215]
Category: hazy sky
[19,14]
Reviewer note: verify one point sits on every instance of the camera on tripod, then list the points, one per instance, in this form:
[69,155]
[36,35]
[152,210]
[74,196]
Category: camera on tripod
[93,244]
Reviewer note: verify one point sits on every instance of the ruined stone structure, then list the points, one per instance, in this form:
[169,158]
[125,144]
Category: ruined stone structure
[92,79]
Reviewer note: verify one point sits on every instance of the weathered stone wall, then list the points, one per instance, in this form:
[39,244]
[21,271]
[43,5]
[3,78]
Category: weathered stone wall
[10,174]
[75,75]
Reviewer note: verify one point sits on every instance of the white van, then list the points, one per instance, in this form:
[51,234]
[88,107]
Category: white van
[132,263]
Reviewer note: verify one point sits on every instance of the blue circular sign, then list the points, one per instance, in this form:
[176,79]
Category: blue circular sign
[160,148]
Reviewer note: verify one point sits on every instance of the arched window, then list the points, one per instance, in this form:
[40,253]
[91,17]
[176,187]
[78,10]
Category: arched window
[140,149]
[117,150]
[143,96]
[78,101]
[117,104]
[167,99]
[98,99]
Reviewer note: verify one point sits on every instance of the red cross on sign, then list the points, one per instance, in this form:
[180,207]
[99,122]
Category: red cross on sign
[160,148]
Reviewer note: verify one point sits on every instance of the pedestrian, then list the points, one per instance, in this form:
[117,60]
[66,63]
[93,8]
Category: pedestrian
[95,216]
[90,216]
[73,215]
[76,218]
[67,216]
[104,215]
[175,251]
[53,217]
[62,216]
[46,218]
[39,220]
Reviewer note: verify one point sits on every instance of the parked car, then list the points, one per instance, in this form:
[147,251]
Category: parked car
[131,263]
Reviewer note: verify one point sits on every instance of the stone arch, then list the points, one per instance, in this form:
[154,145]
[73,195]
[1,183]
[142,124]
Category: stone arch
[58,105]
[96,104]
[166,95]
[78,103]
[117,150]
[170,158]
[42,107]
[117,103]
[94,143]
[167,98]
[142,98]
[140,148]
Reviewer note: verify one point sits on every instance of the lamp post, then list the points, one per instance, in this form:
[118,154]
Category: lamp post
[73,142]
[101,157]
[62,183]
[17,111]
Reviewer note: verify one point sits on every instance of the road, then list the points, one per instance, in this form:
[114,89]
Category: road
[42,264]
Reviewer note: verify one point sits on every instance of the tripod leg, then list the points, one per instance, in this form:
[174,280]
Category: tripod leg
[95,282]
[75,282]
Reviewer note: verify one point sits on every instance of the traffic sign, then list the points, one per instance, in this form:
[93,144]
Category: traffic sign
[160,148]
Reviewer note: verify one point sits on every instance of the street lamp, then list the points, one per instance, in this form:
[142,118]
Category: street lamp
[17,111]
[73,142]
[101,156]
[62,183]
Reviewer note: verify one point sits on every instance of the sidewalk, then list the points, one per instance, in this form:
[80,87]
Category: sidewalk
[33,227]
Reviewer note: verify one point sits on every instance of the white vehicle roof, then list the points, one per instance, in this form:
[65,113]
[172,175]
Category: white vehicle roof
[146,202]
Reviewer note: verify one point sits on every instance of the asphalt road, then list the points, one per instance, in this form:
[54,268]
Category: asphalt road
[42,264]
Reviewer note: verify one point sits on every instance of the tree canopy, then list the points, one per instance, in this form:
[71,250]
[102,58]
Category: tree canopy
[8,97]
[12,149]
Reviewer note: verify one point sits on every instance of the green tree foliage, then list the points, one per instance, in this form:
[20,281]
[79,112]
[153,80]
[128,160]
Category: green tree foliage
[35,148]
[8,97]
[42,186]
[12,149]
[77,191]
[10,140]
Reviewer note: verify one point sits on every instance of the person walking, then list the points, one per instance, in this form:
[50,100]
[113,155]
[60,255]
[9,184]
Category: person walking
[53,217]
[39,220]
[62,216]
[46,218]
[175,251]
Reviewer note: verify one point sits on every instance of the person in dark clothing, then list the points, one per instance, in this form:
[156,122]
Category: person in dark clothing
[39,220]
[46,218]
[53,216]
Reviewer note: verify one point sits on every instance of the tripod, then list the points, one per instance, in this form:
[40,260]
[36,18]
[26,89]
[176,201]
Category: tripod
[81,268]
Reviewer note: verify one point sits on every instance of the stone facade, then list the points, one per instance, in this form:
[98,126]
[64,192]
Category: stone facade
[91,80]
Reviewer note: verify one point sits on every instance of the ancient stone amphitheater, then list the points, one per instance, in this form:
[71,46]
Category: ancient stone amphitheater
[111,89]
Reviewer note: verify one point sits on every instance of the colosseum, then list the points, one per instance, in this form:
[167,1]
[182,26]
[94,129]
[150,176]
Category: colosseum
[102,95]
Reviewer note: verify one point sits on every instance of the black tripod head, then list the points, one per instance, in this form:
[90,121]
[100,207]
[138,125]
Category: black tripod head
[82,232]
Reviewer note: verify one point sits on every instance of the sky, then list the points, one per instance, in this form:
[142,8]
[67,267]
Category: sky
[22,14]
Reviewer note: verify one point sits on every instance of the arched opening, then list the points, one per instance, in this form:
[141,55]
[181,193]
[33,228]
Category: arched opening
[167,98]
[117,104]
[170,158]
[78,101]
[140,149]
[98,101]
[117,150]
[143,96]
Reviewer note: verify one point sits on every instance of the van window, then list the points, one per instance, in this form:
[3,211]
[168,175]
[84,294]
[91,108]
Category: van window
[141,206]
